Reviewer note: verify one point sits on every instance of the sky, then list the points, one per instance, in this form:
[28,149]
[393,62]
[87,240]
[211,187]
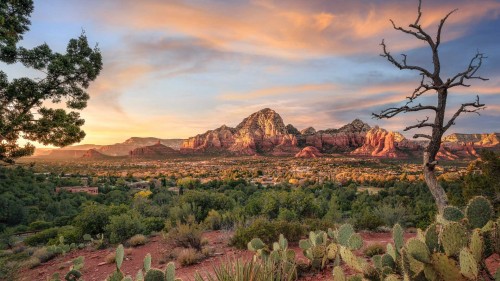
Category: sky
[176,68]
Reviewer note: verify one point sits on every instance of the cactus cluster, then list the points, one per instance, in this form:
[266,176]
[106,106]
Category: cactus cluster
[453,248]
[280,256]
[145,274]
[73,274]
[318,249]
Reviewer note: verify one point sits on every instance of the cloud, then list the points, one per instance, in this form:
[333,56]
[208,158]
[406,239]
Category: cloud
[298,30]
[279,90]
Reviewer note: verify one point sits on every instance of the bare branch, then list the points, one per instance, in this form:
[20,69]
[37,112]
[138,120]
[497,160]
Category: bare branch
[419,12]
[407,31]
[441,24]
[393,111]
[469,73]
[420,124]
[465,107]
[422,136]
[402,65]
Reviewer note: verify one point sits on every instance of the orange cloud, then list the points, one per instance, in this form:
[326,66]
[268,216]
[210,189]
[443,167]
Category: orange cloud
[263,28]
[279,90]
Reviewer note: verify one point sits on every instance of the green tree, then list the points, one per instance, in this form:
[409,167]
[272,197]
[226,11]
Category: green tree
[25,110]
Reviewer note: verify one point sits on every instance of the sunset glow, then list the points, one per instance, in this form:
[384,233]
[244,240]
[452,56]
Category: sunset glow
[174,69]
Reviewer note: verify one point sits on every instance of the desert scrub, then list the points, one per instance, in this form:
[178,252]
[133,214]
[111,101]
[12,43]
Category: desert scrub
[185,235]
[374,249]
[189,256]
[44,254]
[267,231]
[137,240]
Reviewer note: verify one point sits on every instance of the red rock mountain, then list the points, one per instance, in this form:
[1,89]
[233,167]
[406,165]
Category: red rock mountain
[157,150]
[382,143]
[309,152]
[94,154]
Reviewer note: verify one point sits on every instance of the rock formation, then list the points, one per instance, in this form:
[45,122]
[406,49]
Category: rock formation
[93,154]
[382,143]
[122,149]
[157,150]
[309,152]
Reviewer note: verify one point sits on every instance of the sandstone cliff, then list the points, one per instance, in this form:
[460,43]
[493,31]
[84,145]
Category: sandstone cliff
[93,154]
[382,143]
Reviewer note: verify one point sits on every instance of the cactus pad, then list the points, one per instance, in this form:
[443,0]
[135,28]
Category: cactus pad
[468,264]
[154,275]
[332,251]
[446,267]
[147,262]
[305,244]
[345,232]
[355,242]
[477,244]
[432,238]
[479,211]
[418,250]
[454,237]
[350,259]
[397,236]
[170,272]
[119,256]
[338,274]
[452,213]
[256,244]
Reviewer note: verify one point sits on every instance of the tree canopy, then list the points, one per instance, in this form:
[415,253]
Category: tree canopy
[27,105]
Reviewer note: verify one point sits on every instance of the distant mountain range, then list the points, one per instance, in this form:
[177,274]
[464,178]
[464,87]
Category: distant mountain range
[264,132]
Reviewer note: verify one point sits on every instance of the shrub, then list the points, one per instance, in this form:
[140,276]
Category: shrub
[41,237]
[70,233]
[367,220]
[208,251]
[40,225]
[32,262]
[137,240]
[44,254]
[213,220]
[153,224]
[186,236]
[267,231]
[124,226]
[374,249]
[189,256]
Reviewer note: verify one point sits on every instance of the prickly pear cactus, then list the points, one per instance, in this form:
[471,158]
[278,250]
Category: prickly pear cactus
[479,211]
[338,274]
[468,264]
[344,233]
[147,262]
[154,275]
[170,272]
[418,250]
[120,252]
[397,236]
[446,267]
[453,238]
[452,213]
[355,242]
[432,238]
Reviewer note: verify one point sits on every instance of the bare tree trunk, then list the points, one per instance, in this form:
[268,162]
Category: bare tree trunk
[431,180]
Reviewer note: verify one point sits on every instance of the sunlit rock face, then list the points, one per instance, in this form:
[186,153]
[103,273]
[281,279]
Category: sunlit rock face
[382,143]
[309,152]
[261,132]
[157,150]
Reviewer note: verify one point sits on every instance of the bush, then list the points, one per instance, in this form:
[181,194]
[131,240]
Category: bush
[374,249]
[153,224]
[186,236]
[267,231]
[124,226]
[213,220]
[189,256]
[137,240]
[32,262]
[70,233]
[41,237]
[44,254]
[367,220]
[39,225]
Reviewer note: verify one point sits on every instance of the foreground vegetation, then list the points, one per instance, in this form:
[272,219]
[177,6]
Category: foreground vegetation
[56,223]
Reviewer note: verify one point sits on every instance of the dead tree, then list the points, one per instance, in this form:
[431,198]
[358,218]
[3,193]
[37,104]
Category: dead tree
[432,82]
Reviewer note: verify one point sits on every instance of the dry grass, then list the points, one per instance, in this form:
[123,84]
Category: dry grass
[189,256]
[137,240]
[110,258]
[32,262]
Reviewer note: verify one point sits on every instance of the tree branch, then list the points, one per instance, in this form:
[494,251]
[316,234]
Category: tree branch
[393,111]
[422,136]
[464,108]
[420,124]
[402,65]
[441,24]
[474,65]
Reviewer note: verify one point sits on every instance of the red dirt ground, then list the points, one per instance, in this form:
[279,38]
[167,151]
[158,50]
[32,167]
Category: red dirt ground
[96,270]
